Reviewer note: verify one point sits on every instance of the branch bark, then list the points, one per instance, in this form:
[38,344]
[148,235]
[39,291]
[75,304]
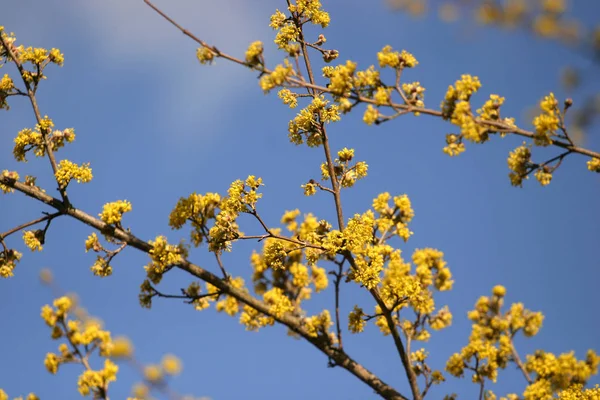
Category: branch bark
[341,358]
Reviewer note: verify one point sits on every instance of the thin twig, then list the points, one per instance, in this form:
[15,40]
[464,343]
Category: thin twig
[47,217]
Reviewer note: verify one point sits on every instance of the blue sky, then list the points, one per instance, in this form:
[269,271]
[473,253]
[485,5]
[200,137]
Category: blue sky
[156,126]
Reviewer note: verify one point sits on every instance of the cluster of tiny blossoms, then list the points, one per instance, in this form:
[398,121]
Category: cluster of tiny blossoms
[30,396]
[346,173]
[491,348]
[8,261]
[163,256]
[79,336]
[33,60]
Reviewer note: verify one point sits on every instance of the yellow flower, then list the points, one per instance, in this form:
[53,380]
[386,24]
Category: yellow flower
[389,58]
[499,291]
[371,115]
[171,365]
[382,96]
[205,55]
[121,347]
[518,162]
[277,77]
[277,20]
[152,373]
[594,165]
[52,362]
[543,176]
[254,53]
[288,97]
[455,146]
[546,123]
[113,212]
[320,279]
[68,171]
[310,189]
[356,322]
[32,239]
[11,175]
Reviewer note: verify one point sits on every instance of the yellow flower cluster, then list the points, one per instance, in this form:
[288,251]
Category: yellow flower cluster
[97,381]
[454,145]
[461,91]
[10,175]
[229,304]
[544,176]
[356,320]
[253,320]
[198,210]
[277,77]
[280,263]
[288,97]
[194,291]
[8,261]
[33,239]
[387,57]
[88,334]
[287,37]
[68,171]
[341,78]
[171,364]
[30,396]
[254,53]
[279,303]
[371,115]
[554,373]
[429,261]
[33,140]
[309,121]
[101,267]
[318,325]
[519,162]
[311,10]
[39,56]
[577,392]
[163,255]
[310,188]
[547,122]
[346,174]
[382,96]
[594,165]
[92,243]
[491,348]
[6,88]
[394,219]
[457,107]
[205,55]
[242,197]
[420,367]
[122,347]
[277,20]
[415,94]
[112,213]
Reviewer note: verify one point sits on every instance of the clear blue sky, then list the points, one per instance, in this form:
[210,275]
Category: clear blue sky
[156,126]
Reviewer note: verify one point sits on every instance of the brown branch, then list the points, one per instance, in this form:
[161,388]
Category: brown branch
[501,126]
[386,312]
[295,324]
[48,217]
[519,363]
[38,115]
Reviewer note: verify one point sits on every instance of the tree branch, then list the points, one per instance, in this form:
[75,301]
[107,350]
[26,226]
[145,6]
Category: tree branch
[295,324]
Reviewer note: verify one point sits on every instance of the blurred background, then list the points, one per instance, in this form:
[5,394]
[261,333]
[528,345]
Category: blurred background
[156,125]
